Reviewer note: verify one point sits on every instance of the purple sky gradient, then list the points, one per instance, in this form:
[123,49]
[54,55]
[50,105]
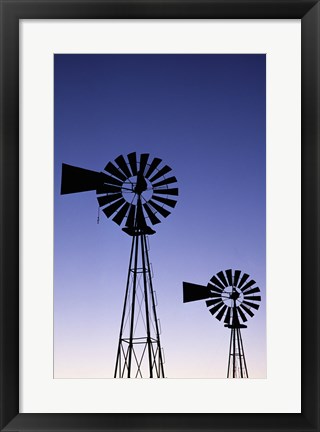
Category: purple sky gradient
[203,115]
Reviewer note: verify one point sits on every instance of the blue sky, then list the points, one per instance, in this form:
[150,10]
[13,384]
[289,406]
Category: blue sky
[204,116]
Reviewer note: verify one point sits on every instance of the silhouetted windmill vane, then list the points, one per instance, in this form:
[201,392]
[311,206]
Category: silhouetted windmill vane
[233,297]
[134,192]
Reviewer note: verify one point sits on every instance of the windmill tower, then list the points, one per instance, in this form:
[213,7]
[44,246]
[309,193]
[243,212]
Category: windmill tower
[233,297]
[135,193]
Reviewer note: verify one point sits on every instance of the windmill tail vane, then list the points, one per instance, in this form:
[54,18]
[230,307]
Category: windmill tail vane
[231,297]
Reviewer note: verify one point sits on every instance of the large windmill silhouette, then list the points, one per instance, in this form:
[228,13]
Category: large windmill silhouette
[137,193]
[231,297]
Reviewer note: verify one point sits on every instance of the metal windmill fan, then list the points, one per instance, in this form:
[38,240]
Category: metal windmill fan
[135,192]
[234,296]
[231,297]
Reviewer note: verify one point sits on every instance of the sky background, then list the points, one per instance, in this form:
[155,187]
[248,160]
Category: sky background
[204,116]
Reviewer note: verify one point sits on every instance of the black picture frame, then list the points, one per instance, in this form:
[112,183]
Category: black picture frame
[14,10]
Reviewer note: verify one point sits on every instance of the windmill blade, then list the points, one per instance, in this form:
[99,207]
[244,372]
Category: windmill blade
[221,313]
[121,213]
[249,312]
[214,288]
[216,308]
[160,209]
[229,277]
[252,291]
[153,166]
[194,292]
[216,281]
[122,164]
[153,218]
[237,274]
[112,169]
[169,202]
[161,173]
[131,215]
[106,199]
[248,285]
[243,279]
[132,158]
[108,189]
[174,191]
[213,302]
[223,279]
[253,298]
[75,179]
[228,316]
[243,317]
[215,294]
[165,182]
[108,211]
[253,305]
[111,180]
[143,162]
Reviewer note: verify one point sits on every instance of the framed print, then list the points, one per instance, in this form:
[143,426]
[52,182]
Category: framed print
[159,216]
[210,95]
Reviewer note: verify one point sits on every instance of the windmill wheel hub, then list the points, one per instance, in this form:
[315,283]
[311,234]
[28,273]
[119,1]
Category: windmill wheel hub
[141,184]
[135,187]
[235,295]
[231,294]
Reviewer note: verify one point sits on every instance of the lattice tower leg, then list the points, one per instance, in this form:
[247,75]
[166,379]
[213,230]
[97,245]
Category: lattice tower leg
[139,351]
[237,366]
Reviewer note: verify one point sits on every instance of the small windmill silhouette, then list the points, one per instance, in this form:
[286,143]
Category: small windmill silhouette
[233,297]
